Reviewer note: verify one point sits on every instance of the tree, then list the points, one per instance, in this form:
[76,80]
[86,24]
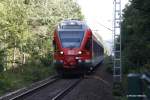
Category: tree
[135,33]
[24,28]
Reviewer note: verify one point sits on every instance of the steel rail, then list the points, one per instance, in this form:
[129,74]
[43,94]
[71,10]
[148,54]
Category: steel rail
[29,92]
[65,91]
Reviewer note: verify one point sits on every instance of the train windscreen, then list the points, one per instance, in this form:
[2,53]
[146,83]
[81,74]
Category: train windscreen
[71,39]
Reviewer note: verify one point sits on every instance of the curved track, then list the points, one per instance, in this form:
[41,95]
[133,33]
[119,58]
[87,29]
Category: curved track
[54,89]
[66,90]
[31,91]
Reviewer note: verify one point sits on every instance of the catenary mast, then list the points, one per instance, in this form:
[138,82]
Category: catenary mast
[117,70]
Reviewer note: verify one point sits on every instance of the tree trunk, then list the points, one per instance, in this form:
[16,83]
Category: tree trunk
[14,58]
[24,59]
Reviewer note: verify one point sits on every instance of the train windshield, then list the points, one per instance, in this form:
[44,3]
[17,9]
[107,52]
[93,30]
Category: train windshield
[71,39]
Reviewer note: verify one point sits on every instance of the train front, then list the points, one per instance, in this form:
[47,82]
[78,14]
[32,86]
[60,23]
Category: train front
[72,47]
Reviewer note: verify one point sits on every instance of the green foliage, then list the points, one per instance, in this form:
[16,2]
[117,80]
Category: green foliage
[10,81]
[109,64]
[26,30]
[36,73]
[135,34]
[1,68]
[24,26]
[46,61]
[119,91]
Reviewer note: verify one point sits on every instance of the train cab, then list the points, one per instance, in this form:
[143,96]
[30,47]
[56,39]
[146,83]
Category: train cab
[72,46]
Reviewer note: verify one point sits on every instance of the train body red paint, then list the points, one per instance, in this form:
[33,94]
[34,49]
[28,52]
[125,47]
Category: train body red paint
[76,49]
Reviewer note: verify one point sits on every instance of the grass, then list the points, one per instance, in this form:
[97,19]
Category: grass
[119,89]
[109,64]
[120,98]
[23,76]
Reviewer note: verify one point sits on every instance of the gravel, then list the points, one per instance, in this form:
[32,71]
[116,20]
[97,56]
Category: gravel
[50,91]
[97,86]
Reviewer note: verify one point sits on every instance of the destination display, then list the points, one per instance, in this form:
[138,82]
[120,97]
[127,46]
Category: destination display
[71,26]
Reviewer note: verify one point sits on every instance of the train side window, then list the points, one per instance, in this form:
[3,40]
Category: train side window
[89,44]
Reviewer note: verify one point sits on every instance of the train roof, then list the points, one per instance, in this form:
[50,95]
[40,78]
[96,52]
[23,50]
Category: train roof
[72,24]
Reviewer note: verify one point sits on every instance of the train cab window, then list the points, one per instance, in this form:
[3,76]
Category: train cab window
[89,44]
[71,39]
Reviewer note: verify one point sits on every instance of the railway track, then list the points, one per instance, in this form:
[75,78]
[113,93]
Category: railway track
[30,89]
[29,92]
[57,88]
[61,89]
[65,91]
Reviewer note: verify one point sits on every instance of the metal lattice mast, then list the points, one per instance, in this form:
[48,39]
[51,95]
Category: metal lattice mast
[117,72]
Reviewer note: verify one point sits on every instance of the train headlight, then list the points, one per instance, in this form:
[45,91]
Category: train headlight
[80,52]
[61,52]
[77,58]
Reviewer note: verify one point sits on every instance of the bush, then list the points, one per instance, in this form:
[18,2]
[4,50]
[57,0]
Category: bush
[47,61]
[1,68]
[117,89]
[24,76]
[147,67]
[109,64]
[109,69]
[5,84]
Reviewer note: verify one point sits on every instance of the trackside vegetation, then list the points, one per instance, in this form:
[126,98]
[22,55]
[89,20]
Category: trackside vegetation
[135,30]
[26,30]
[136,36]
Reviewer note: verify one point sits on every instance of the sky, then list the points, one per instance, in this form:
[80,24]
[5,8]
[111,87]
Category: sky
[99,13]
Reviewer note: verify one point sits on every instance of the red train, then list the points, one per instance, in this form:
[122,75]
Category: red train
[76,49]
